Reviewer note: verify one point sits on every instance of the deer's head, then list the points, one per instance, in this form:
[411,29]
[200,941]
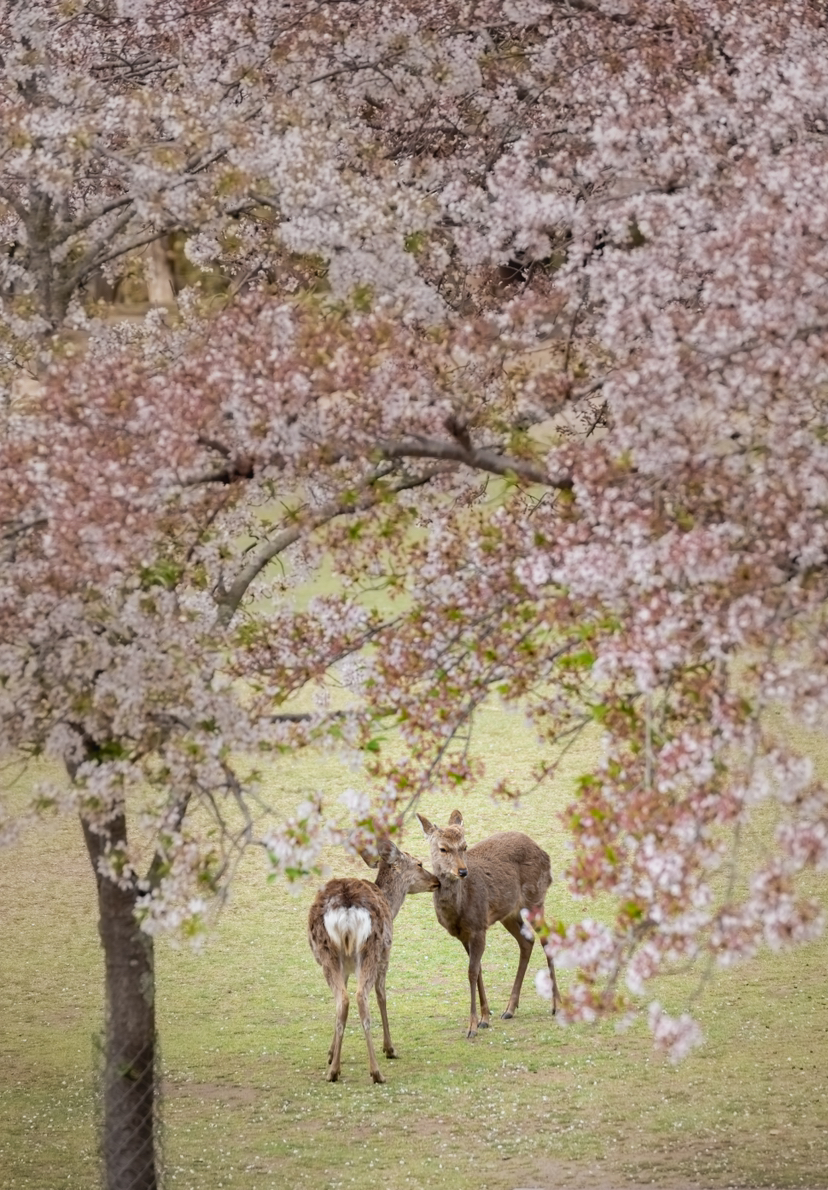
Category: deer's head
[448,847]
[397,866]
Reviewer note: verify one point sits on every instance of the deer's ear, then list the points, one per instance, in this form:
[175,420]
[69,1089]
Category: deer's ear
[428,827]
[368,856]
[387,849]
[455,818]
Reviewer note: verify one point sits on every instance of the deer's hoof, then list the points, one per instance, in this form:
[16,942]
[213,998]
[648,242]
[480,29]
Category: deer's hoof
[332,1076]
[483,1024]
[506,1016]
[471,1034]
[392,1053]
[377,1076]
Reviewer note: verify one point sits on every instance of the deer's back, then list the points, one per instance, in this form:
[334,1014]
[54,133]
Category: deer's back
[515,871]
[347,916]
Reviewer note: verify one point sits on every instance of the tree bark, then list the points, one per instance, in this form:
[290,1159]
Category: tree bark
[129,1065]
[160,289]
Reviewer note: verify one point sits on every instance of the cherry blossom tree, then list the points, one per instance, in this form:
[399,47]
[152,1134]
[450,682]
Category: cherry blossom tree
[575,251]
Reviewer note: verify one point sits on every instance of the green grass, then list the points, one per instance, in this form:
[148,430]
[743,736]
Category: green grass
[245,1026]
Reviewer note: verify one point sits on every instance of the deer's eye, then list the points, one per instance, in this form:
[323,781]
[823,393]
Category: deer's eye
[443,851]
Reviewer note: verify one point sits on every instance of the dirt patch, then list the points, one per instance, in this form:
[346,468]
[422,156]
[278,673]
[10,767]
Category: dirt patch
[210,1092]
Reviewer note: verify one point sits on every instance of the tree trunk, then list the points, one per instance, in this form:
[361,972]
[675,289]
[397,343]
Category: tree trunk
[129,1067]
[160,288]
[52,296]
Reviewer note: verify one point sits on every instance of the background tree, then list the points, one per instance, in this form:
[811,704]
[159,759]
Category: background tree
[608,223]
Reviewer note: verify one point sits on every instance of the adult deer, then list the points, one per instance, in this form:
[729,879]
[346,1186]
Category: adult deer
[350,930]
[489,882]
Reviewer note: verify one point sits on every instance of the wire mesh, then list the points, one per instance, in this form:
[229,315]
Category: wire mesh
[129,1116]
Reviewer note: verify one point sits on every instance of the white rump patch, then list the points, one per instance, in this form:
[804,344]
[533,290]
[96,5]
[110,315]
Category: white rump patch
[348,929]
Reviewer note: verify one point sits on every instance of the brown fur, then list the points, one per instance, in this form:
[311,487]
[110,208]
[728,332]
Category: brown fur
[492,881]
[398,874]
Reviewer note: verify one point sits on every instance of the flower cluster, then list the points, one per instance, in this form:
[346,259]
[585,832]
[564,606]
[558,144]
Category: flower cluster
[557,387]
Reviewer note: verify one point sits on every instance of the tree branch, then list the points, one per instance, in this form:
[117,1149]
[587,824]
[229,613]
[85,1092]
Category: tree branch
[79,225]
[172,821]
[92,259]
[420,447]
[138,242]
[618,18]
[229,599]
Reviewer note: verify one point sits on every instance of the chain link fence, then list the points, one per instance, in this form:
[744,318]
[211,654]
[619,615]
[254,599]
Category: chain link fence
[129,1116]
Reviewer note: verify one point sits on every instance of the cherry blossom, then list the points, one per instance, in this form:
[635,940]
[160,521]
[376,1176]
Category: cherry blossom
[515,313]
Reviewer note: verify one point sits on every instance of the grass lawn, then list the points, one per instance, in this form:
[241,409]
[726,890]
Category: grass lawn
[245,1026]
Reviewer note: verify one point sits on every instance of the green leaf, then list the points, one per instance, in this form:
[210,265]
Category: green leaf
[363,298]
[583,660]
[163,573]
[414,241]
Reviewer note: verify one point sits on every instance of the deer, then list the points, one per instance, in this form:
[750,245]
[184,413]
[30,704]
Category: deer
[350,928]
[492,881]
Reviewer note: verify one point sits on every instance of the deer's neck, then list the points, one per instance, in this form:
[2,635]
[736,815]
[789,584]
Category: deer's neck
[453,893]
[391,890]
[452,907]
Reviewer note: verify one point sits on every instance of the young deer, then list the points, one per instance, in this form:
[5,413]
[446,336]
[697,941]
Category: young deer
[490,882]
[350,929]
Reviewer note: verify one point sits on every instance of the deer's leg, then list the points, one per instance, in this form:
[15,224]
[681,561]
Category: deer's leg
[387,1044]
[483,1022]
[513,925]
[363,993]
[339,988]
[556,997]
[475,947]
